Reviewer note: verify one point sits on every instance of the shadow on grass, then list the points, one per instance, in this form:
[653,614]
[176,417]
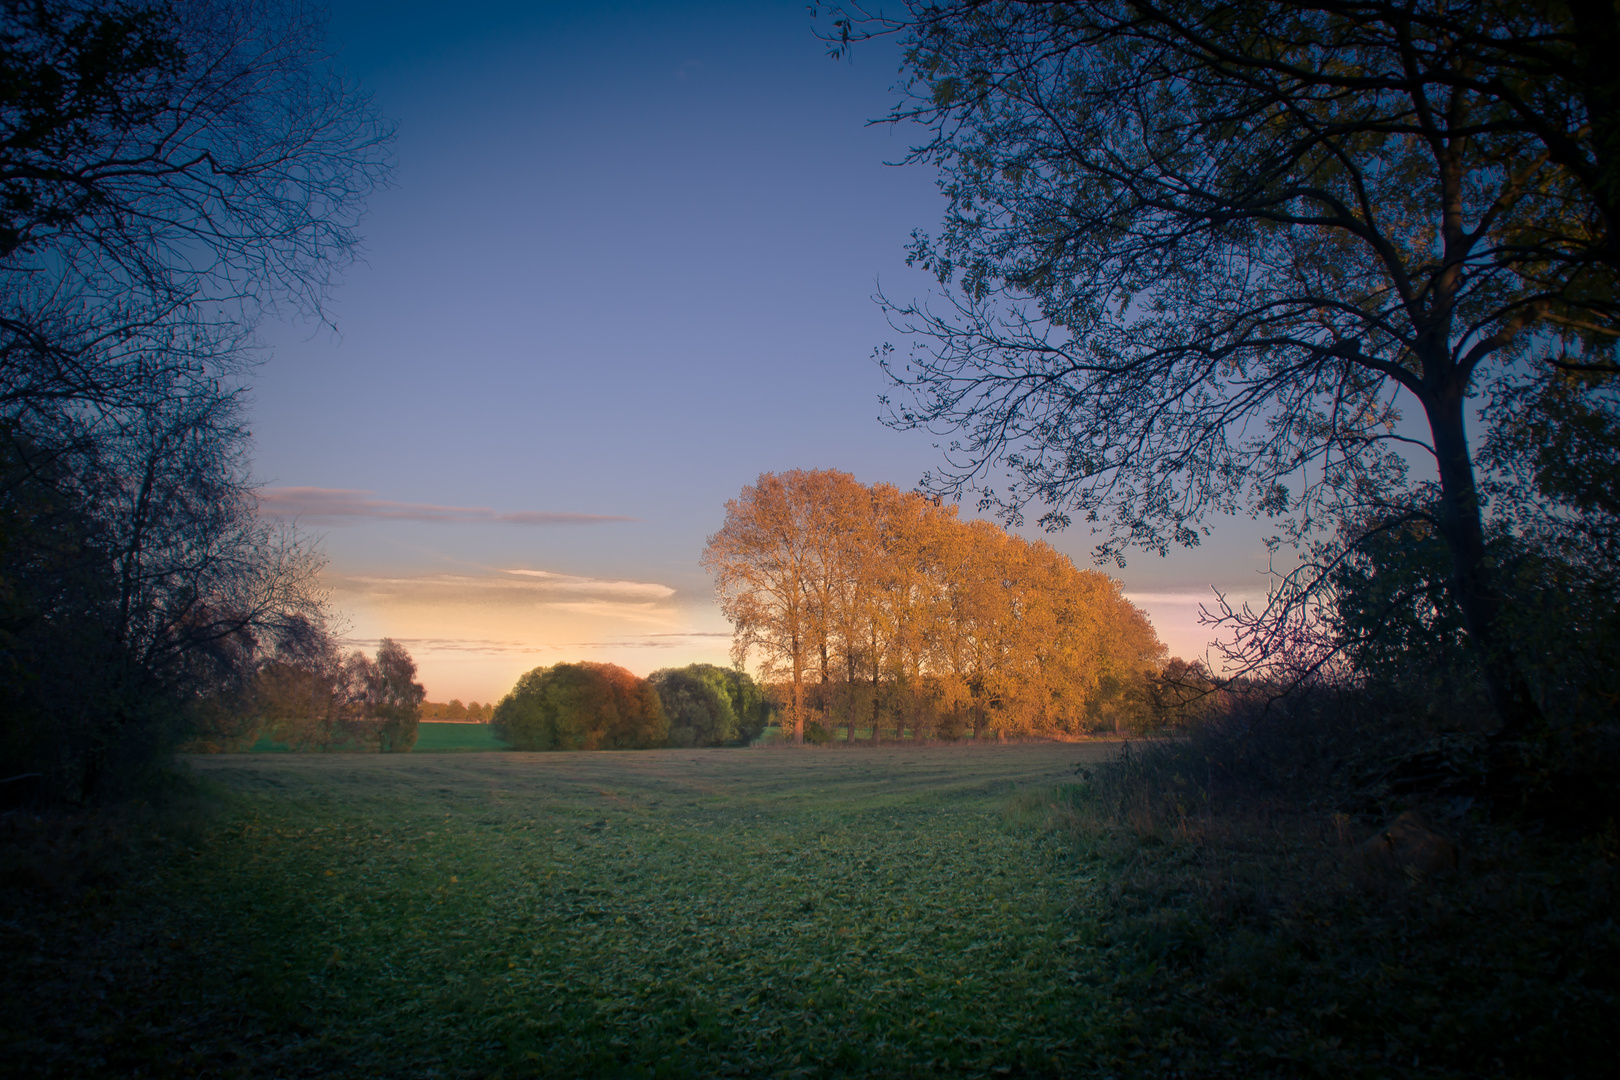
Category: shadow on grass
[1251,931]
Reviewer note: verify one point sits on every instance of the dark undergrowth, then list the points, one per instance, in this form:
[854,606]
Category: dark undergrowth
[1260,927]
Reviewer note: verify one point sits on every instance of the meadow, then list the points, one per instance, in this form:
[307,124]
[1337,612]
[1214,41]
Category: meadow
[890,911]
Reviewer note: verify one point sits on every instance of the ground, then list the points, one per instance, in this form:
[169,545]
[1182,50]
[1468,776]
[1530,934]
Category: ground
[890,911]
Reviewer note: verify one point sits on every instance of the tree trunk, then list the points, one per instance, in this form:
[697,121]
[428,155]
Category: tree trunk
[798,694]
[874,692]
[1471,579]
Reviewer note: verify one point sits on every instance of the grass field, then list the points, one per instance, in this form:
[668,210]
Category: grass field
[432,736]
[666,913]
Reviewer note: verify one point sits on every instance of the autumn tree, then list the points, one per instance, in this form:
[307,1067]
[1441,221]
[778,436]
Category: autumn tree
[1209,256]
[929,622]
[583,706]
[763,562]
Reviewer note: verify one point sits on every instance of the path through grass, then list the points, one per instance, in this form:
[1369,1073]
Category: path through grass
[667,913]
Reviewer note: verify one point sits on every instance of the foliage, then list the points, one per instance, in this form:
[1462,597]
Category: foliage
[1253,938]
[710,706]
[584,706]
[455,710]
[315,698]
[1207,256]
[167,170]
[394,697]
[140,591]
[908,617]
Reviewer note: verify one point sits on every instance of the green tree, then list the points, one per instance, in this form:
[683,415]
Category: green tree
[1209,256]
[698,710]
[394,697]
[711,706]
[583,706]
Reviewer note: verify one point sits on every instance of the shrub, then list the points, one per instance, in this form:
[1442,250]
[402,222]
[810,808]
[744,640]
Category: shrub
[711,706]
[584,706]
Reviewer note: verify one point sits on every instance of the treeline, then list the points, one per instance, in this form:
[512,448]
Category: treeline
[593,706]
[454,711]
[167,171]
[326,700]
[880,609]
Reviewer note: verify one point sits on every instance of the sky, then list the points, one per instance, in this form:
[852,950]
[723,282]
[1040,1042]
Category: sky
[625,265]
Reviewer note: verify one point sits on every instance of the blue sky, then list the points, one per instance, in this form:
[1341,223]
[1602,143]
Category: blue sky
[625,266]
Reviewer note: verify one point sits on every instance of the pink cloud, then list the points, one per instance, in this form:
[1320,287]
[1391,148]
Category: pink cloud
[337,506]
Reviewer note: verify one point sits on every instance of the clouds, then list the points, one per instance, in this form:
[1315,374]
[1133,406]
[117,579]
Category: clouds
[566,583]
[346,506]
[473,633]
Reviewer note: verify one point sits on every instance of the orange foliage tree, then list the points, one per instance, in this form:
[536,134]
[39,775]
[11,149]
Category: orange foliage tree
[880,608]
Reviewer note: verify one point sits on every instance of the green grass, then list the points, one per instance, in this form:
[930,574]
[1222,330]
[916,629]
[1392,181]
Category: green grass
[432,737]
[897,912]
[436,737]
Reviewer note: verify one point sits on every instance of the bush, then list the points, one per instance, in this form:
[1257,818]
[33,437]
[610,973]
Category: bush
[1247,933]
[584,706]
[711,706]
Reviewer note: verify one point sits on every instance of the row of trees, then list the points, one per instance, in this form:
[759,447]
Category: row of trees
[168,169]
[593,706]
[325,700]
[879,608]
[454,710]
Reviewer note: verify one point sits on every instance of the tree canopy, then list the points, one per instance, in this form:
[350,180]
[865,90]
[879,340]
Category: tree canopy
[711,706]
[583,706]
[879,608]
[1207,257]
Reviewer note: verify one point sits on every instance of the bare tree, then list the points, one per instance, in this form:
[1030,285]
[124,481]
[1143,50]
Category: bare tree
[167,170]
[1206,257]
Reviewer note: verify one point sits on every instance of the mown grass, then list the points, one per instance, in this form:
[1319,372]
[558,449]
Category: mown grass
[887,912]
[901,911]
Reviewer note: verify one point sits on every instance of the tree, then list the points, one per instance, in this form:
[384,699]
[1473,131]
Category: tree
[1204,254]
[142,591]
[584,706]
[763,562]
[168,170]
[699,712]
[394,697]
[710,706]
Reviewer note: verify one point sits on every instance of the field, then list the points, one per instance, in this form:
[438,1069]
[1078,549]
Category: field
[432,736]
[890,911]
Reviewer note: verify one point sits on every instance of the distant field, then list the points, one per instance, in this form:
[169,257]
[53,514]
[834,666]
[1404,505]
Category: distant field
[432,736]
[664,913]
